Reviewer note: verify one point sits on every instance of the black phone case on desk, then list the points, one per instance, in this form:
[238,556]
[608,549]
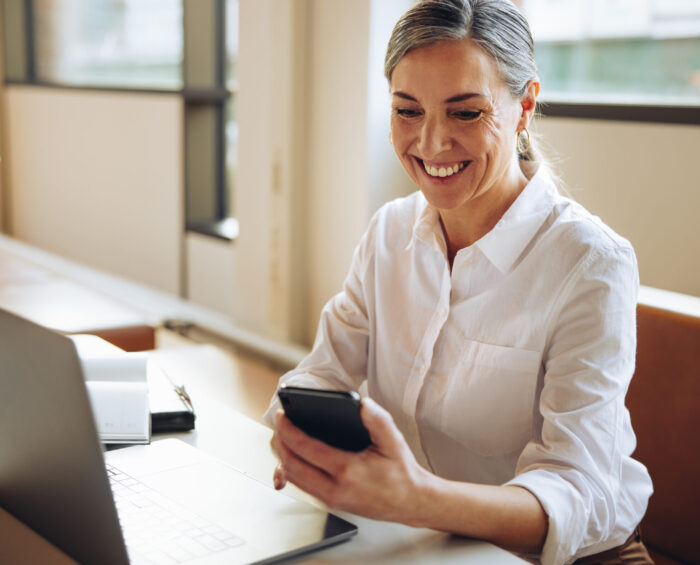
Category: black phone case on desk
[182,421]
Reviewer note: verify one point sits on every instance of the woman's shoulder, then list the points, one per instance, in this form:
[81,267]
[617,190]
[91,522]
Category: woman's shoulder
[574,226]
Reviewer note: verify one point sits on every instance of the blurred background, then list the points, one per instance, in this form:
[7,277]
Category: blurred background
[231,152]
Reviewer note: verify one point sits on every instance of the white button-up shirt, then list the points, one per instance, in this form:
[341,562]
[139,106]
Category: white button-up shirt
[512,367]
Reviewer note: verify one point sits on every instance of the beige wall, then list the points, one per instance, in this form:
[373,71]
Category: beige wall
[3,156]
[641,179]
[97,177]
[3,160]
[338,153]
[272,170]
[211,273]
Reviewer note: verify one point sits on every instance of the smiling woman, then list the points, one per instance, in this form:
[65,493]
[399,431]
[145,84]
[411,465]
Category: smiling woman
[491,320]
[454,126]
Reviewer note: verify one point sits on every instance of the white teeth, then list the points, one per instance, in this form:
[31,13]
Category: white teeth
[442,171]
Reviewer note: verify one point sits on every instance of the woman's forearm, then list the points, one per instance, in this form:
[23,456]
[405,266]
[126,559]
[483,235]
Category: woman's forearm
[385,482]
[509,516]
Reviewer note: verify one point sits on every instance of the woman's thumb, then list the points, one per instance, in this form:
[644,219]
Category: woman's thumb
[380,425]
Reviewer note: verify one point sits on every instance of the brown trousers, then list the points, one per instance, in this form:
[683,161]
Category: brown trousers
[632,552]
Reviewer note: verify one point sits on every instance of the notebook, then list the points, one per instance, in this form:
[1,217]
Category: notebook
[118,390]
[53,476]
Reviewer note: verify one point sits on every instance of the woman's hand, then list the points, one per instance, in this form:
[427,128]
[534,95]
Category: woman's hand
[383,482]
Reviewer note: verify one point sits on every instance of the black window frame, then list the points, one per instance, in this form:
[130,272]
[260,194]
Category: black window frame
[647,113]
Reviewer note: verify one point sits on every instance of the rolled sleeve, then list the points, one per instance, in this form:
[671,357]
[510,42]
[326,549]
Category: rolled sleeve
[575,467]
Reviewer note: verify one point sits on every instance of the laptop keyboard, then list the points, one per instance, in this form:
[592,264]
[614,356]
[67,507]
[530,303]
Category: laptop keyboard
[158,531]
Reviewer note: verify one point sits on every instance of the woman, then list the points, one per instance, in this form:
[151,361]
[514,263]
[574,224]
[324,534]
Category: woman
[492,320]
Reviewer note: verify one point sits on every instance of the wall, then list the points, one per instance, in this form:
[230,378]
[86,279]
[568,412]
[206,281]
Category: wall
[97,177]
[338,153]
[642,180]
[4,224]
[3,163]
[211,272]
[271,192]
[4,160]
[387,178]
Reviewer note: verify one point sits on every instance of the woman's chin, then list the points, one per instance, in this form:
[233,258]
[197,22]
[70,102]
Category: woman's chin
[445,197]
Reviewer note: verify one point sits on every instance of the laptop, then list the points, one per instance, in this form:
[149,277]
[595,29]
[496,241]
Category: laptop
[54,477]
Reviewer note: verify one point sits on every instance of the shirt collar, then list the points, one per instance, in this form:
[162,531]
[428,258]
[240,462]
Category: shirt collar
[427,226]
[508,238]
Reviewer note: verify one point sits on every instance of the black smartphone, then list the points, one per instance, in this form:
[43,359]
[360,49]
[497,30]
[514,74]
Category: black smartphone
[332,416]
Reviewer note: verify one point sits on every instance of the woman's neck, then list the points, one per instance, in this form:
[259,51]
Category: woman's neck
[464,226]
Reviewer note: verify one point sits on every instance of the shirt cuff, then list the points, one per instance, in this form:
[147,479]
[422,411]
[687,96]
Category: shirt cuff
[563,508]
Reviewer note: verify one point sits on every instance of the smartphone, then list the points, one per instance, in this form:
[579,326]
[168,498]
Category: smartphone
[332,416]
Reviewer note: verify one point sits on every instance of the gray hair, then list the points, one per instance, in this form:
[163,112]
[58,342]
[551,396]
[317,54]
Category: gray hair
[496,25]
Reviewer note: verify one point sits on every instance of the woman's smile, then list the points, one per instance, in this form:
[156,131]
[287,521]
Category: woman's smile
[444,170]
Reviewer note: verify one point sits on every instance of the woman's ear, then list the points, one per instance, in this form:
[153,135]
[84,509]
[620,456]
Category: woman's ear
[528,102]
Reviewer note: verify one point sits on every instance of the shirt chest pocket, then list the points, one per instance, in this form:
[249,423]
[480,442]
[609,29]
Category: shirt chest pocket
[489,398]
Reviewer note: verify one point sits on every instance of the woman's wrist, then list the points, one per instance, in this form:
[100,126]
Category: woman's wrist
[420,503]
[507,516]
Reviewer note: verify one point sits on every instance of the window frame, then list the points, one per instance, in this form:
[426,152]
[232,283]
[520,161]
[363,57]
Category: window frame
[647,113]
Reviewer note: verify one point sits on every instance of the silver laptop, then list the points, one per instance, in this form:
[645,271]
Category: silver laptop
[163,503]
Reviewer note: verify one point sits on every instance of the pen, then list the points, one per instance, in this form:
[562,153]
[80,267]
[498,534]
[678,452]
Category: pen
[180,391]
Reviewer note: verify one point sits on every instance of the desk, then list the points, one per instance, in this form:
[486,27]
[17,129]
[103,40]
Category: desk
[43,296]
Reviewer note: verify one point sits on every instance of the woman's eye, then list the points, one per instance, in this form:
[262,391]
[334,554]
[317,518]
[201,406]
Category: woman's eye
[467,115]
[407,112]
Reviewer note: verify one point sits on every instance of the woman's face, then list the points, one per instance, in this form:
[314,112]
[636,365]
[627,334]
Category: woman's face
[454,125]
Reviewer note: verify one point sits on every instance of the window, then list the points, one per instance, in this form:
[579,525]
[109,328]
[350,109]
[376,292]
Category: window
[185,47]
[628,52]
[108,42]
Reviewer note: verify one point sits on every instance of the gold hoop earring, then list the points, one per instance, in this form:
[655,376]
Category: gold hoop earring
[523,143]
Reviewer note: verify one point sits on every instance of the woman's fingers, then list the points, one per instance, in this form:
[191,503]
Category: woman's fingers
[305,475]
[315,452]
[279,478]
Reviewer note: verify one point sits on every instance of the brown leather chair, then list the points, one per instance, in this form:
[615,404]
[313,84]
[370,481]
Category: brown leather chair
[664,402]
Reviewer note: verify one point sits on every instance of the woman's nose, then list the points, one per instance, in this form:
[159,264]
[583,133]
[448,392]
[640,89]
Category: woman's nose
[434,139]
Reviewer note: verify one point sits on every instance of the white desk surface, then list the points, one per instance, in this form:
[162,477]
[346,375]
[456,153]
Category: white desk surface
[244,443]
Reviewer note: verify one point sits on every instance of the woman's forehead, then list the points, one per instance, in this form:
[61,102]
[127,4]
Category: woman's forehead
[447,68]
